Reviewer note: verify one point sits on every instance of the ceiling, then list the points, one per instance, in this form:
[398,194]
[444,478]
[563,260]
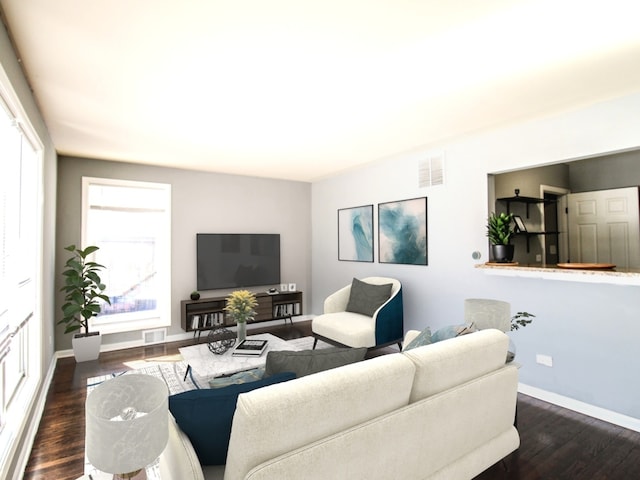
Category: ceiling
[301,90]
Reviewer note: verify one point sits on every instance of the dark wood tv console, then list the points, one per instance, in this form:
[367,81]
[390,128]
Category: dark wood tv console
[207,313]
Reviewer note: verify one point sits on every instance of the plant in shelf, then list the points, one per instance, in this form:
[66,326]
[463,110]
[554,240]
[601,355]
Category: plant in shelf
[83,289]
[240,306]
[499,231]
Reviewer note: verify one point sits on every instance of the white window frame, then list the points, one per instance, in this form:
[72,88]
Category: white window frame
[128,322]
[22,291]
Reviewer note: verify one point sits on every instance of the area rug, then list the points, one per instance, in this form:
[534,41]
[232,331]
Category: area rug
[173,375]
[306,343]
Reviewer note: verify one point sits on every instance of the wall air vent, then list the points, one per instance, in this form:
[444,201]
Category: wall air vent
[154,336]
[431,171]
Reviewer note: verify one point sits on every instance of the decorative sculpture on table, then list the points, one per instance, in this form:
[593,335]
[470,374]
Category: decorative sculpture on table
[220,340]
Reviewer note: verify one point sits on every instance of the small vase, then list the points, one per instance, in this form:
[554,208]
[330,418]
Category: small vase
[242,331]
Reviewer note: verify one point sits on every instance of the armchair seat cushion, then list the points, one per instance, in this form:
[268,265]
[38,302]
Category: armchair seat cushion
[348,328]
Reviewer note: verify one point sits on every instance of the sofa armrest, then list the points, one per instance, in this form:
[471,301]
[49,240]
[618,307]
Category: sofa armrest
[337,301]
[389,319]
[179,461]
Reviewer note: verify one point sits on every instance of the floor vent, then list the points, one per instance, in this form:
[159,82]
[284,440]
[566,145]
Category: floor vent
[154,336]
[431,171]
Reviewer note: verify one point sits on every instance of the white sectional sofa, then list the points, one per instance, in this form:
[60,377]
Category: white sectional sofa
[442,411]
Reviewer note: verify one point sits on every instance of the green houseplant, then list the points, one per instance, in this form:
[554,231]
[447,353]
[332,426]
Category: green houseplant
[500,231]
[518,321]
[521,320]
[83,289]
[240,306]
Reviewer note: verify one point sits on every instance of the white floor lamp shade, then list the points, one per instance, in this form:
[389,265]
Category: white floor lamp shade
[127,424]
[486,313]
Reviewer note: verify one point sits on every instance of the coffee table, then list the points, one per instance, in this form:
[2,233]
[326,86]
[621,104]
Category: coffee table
[210,365]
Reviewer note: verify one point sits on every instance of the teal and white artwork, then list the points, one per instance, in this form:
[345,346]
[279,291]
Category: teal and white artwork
[402,232]
[355,234]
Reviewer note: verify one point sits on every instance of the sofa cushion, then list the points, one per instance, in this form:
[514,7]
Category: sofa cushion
[366,298]
[205,416]
[452,331]
[423,338]
[444,365]
[306,362]
[317,406]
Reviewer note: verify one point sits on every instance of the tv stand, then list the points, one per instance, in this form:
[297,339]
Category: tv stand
[208,313]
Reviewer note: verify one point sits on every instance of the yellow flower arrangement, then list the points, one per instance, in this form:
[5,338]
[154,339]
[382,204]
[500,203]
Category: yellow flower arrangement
[240,305]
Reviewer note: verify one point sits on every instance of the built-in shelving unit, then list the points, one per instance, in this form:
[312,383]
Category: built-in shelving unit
[527,201]
[207,313]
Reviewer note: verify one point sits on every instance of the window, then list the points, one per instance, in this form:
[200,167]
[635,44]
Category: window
[20,260]
[131,223]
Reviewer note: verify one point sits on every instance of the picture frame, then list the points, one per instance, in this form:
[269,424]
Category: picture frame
[520,226]
[402,232]
[355,234]
[292,287]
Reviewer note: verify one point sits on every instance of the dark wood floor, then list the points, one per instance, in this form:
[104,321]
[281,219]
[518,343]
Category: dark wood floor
[555,443]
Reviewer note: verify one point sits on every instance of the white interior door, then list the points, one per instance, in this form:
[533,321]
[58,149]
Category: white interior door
[604,227]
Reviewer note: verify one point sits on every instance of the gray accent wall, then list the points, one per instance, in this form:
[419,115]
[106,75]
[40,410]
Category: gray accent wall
[590,330]
[201,203]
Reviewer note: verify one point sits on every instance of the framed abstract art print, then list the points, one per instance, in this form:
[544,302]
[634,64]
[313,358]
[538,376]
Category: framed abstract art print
[402,232]
[355,234]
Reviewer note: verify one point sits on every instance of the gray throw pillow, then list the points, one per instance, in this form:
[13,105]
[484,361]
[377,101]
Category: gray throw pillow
[366,298]
[306,362]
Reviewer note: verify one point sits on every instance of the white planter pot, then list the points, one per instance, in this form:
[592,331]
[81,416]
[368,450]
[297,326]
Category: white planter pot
[86,348]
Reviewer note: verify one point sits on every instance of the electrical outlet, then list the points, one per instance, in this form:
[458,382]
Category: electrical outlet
[545,360]
[553,250]
[538,258]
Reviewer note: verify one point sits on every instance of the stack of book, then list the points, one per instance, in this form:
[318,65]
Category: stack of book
[250,348]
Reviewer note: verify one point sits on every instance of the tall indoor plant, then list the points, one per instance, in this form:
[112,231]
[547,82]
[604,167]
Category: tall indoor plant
[499,231]
[83,289]
[240,307]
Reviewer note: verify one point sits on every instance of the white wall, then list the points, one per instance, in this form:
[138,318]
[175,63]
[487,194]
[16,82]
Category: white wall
[201,203]
[590,330]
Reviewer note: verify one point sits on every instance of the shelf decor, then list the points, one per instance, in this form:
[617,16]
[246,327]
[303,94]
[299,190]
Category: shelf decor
[402,232]
[355,234]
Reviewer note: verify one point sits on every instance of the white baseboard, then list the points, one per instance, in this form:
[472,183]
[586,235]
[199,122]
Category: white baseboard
[577,406]
[110,347]
[33,424]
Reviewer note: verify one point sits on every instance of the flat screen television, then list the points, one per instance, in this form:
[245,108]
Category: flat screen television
[237,260]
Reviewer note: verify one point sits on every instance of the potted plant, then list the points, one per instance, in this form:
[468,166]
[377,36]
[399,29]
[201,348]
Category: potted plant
[521,320]
[195,295]
[240,306]
[83,291]
[499,231]
[518,321]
